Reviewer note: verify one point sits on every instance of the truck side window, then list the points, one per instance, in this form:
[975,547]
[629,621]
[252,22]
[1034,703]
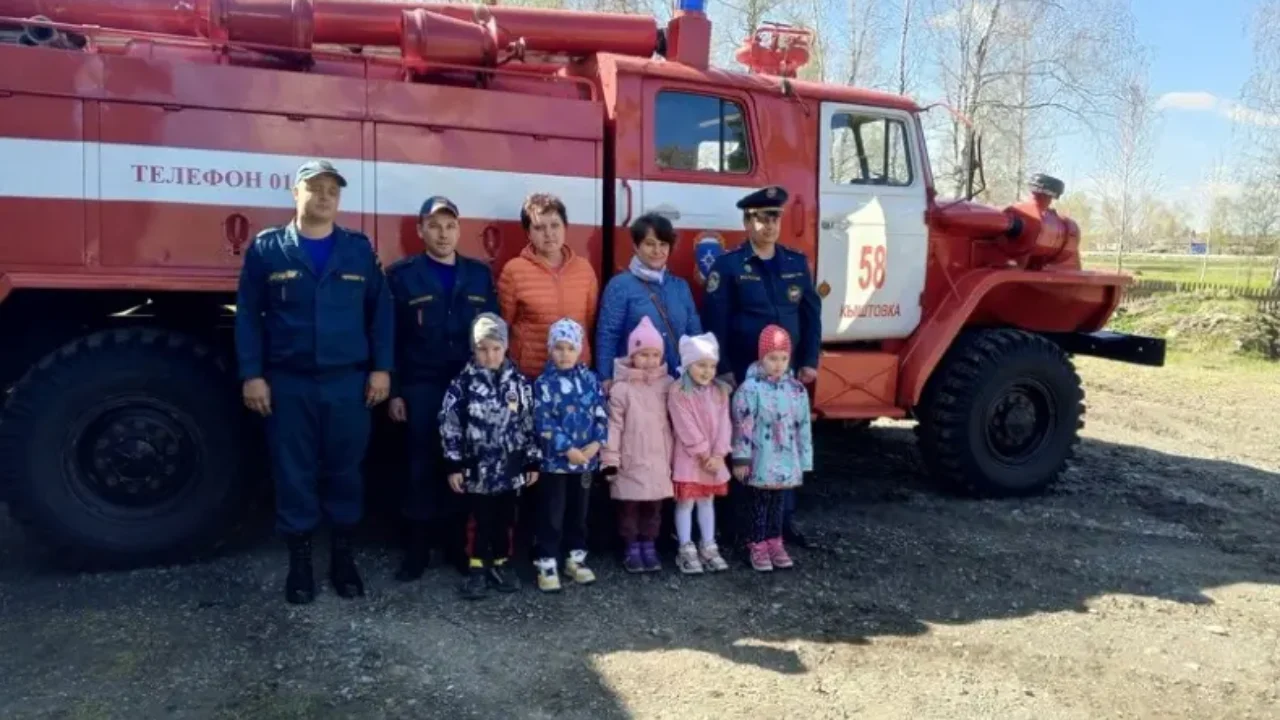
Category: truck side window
[700,133]
[869,150]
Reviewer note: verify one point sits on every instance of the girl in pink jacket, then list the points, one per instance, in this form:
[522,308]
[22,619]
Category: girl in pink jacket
[639,446]
[699,407]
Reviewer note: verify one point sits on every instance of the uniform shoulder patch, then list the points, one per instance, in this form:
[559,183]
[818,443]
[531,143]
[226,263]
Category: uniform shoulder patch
[713,281]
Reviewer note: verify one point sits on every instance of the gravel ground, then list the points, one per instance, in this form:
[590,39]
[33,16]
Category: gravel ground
[1146,585]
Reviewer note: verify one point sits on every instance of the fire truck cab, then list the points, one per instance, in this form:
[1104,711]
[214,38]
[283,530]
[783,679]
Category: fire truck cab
[146,142]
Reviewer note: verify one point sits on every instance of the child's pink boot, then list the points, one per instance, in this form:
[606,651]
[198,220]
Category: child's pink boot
[778,554]
[760,556]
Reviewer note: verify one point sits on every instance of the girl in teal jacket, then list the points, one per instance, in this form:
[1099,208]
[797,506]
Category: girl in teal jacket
[772,443]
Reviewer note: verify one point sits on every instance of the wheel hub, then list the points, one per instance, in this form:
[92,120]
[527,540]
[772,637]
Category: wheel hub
[135,455]
[1019,421]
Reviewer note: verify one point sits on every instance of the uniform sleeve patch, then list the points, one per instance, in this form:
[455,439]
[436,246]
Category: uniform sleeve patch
[713,281]
[793,293]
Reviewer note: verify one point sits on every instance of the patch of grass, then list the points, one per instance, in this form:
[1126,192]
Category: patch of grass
[1198,328]
[1229,271]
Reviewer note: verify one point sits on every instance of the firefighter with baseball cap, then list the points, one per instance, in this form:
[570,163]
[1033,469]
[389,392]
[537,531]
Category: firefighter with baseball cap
[759,283]
[437,293]
[314,340]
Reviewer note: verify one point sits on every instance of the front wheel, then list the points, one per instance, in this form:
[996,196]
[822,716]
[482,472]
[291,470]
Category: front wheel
[123,448]
[1001,414]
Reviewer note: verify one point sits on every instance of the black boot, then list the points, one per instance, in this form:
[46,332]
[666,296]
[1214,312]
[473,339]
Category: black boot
[416,554]
[342,567]
[474,587]
[300,586]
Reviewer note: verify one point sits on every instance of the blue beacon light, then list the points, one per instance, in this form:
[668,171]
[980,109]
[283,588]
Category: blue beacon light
[692,5]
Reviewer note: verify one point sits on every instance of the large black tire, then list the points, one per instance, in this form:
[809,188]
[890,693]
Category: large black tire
[1001,414]
[123,448]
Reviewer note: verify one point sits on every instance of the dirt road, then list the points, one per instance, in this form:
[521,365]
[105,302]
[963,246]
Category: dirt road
[1147,586]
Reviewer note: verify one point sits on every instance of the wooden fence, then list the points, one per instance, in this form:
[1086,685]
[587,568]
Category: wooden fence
[1268,299]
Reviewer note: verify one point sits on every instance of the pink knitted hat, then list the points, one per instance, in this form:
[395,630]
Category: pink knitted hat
[644,336]
[773,338]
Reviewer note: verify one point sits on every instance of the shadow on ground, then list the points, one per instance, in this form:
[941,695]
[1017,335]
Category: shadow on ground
[896,557]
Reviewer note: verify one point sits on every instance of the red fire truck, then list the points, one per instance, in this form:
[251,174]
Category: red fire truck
[145,142]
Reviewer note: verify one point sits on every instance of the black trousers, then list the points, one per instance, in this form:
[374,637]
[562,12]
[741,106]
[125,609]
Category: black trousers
[562,513]
[492,519]
[767,508]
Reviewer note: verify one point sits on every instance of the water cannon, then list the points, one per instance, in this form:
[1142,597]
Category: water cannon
[776,49]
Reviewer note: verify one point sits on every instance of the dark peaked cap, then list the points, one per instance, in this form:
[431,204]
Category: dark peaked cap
[768,198]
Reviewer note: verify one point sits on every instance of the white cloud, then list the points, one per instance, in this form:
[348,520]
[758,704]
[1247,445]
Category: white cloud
[1208,102]
[1187,101]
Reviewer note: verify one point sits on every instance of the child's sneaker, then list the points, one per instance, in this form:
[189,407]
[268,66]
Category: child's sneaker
[502,579]
[760,557]
[577,569]
[711,558]
[650,554]
[633,562]
[548,578]
[778,554]
[474,587]
[687,560]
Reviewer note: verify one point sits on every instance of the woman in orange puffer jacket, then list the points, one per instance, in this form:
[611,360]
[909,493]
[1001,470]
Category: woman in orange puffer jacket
[548,281]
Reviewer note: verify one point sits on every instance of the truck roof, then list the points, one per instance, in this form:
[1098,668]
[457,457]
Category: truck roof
[658,67]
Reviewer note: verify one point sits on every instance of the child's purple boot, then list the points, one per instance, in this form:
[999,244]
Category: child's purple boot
[633,561]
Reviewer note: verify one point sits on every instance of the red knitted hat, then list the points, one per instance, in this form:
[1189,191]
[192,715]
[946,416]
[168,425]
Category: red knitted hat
[773,338]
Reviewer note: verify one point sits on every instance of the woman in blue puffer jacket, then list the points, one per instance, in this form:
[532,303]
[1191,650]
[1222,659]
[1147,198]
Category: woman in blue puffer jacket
[645,288]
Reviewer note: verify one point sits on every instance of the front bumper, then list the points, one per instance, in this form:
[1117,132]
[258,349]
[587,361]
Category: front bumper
[1135,349]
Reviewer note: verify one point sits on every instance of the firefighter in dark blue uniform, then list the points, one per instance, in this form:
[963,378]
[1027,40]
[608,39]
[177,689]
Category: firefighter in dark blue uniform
[314,339]
[437,294]
[759,283]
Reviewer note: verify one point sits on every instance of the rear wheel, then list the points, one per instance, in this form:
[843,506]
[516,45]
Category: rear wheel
[123,448]
[1001,415]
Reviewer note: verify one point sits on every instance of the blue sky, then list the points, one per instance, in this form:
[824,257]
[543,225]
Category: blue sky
[1200,59]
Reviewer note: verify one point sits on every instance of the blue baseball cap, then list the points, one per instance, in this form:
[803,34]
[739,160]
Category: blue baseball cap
[316,168]
[435,204]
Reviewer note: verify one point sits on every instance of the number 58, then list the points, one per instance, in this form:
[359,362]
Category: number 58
[871,269]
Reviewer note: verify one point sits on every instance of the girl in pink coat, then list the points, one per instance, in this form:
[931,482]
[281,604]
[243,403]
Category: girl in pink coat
[699,407]
[639,446]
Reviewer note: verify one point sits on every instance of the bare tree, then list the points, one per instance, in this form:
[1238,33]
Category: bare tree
[903,38]
[1127,157]
[1018,68]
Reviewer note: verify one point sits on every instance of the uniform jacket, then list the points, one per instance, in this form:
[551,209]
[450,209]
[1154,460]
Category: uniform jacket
[569,412]
[486,425]
[532,295]
[702,428]
[433,328]
[288,317]
[640,442]
[743,295]
[626,299]
[771,429]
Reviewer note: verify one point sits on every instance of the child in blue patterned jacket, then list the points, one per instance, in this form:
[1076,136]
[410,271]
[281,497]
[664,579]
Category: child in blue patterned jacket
[772,443]
[490,451]
[572,424]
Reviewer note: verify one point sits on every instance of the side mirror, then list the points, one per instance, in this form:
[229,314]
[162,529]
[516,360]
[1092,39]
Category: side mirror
[973,166]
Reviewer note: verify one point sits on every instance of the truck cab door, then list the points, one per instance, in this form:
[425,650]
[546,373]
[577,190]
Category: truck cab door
[873,241]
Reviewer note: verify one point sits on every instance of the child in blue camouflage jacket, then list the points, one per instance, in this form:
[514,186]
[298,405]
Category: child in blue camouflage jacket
[571,423]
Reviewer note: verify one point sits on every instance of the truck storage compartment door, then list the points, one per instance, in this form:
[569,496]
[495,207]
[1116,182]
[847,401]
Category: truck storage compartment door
[184,187]
[42,181]
[873,242]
